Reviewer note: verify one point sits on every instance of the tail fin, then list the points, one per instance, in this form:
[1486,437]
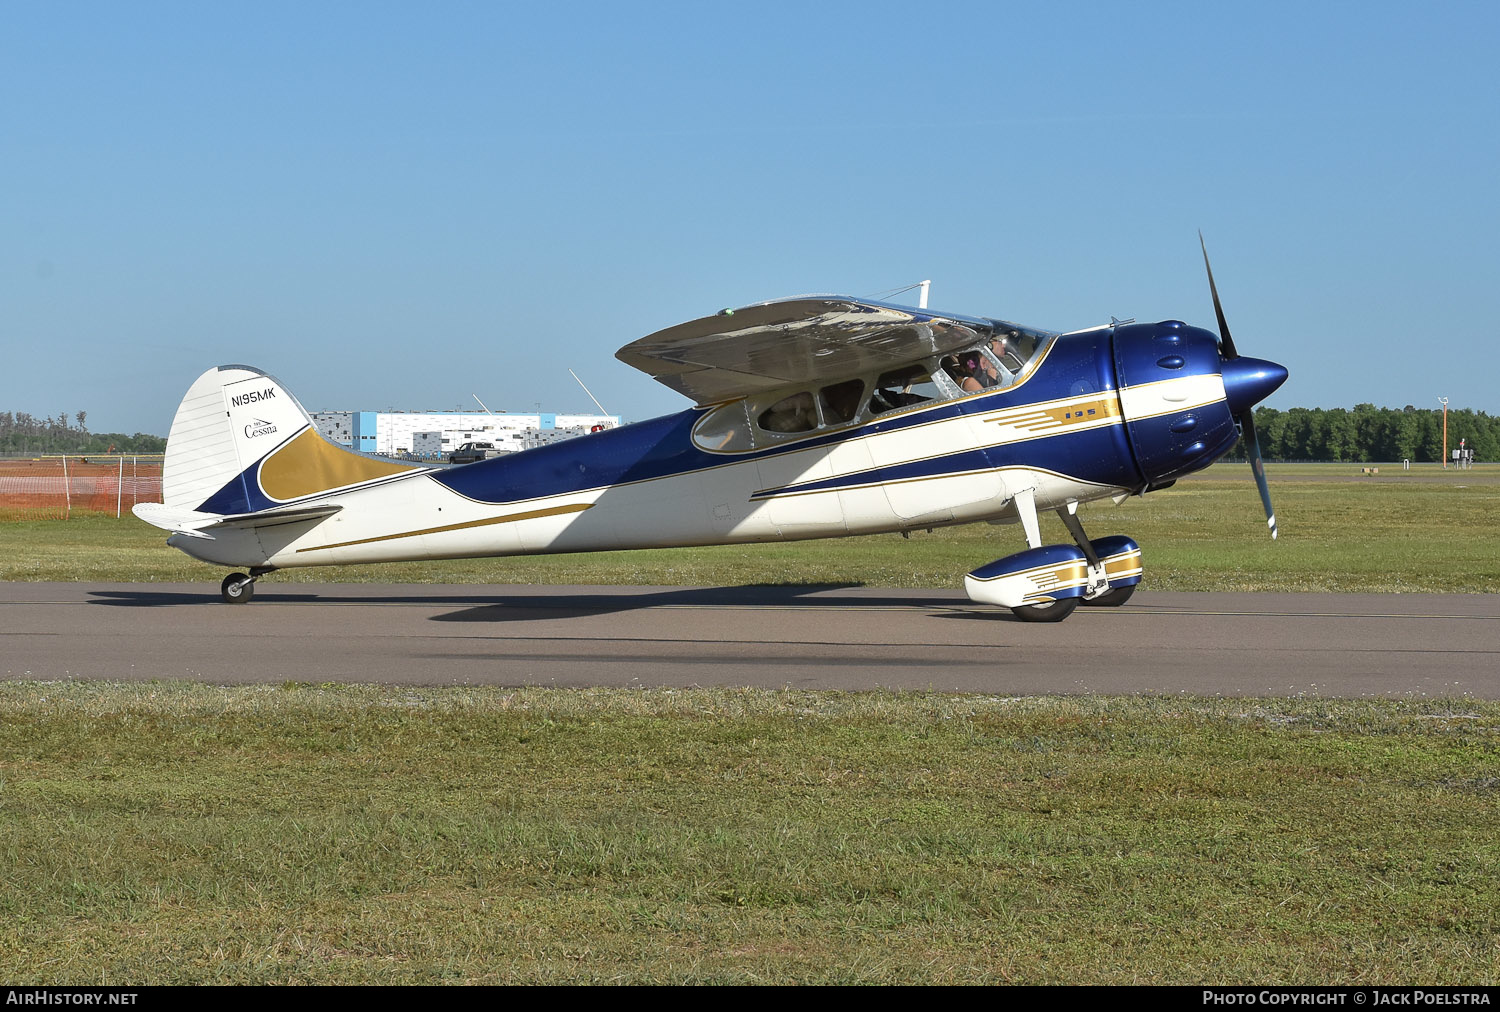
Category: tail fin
[241,443]
[211,436]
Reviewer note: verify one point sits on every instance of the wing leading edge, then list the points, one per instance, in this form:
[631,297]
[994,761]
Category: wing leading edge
[802,340]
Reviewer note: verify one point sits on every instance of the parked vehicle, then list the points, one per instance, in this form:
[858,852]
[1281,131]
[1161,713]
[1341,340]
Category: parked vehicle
[468,453]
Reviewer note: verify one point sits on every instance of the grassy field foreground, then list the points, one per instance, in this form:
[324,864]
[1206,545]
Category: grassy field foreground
[1423,530]
[155,834]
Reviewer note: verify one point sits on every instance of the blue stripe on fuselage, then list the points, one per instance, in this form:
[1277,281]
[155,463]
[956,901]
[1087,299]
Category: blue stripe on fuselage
[1092,455]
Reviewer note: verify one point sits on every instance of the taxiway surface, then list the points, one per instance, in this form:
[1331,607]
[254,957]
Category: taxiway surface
[847,638]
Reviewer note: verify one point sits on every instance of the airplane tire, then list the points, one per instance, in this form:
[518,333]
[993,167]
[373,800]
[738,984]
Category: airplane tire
[1052,611]
[1111,598]
[237,588]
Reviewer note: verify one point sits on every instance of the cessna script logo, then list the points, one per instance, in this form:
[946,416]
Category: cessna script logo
[259,427]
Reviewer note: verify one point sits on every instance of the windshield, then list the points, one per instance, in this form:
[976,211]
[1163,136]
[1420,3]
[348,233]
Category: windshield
[1015,346]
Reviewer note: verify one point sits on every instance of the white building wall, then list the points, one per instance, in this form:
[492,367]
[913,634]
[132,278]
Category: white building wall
[395,430]
[585,422]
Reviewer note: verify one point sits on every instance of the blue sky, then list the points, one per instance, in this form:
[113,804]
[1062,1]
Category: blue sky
[402,204]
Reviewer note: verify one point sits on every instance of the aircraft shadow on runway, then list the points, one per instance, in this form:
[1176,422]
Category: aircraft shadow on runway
[482,605]
[177,598]
[525,607]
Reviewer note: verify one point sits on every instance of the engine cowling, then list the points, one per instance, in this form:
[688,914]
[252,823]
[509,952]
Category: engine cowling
[1172,398]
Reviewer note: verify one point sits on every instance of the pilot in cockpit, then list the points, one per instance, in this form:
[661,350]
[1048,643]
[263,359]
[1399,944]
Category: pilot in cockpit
[990,372]
[1013,348]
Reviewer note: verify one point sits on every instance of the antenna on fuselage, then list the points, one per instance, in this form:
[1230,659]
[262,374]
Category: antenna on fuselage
[922,299]
[589,392]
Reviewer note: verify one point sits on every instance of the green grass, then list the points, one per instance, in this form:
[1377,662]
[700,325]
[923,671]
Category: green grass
[185,834]
[350,834]
[1425,530]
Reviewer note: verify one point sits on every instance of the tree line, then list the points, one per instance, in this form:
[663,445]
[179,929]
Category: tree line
[1335,434]
[22,433]
[1368,433]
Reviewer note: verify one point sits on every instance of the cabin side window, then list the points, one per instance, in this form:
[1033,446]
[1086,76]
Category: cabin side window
[903,388]
[726,429]
[841,401]
[752,424]
[794,413]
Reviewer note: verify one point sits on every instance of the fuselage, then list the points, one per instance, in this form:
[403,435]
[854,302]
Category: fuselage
[1094,414]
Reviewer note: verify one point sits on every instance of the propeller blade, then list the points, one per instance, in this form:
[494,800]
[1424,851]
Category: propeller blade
[1252,448]
[1226,343]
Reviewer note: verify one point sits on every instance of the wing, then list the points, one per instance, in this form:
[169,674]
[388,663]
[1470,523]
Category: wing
[802,340]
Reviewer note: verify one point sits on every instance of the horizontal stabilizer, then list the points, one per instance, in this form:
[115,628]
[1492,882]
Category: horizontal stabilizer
[174,518]
[273,518]
[195,524]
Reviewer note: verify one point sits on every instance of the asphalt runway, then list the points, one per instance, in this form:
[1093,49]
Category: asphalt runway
[847,638]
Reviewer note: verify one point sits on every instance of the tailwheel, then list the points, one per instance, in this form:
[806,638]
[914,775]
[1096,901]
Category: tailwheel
[1051,611]
[237,588]
[1111,598]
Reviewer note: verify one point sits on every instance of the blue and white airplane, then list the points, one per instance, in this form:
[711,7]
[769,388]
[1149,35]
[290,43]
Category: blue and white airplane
[813,417]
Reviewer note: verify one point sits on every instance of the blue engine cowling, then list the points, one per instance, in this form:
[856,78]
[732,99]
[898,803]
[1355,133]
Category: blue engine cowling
[1170,379]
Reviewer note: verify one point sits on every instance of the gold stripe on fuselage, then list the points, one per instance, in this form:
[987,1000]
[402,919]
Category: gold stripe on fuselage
[509,518]
[1070,413]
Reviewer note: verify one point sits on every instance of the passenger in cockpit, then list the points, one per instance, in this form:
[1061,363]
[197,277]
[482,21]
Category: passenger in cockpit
[981,370]
[964,370]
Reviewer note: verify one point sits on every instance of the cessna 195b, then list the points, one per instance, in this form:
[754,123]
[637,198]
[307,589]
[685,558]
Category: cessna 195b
[817,416]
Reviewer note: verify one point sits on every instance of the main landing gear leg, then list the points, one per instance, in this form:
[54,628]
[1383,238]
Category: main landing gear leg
[239,588]
[1097,582]
[1098,594]
[1050,611]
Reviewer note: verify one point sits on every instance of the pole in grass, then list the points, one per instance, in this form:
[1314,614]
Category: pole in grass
[1444,402]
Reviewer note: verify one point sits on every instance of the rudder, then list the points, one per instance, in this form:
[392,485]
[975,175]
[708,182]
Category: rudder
[230,417]
[241,443]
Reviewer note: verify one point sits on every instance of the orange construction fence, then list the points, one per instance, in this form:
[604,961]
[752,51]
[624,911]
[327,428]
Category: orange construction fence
[54,488]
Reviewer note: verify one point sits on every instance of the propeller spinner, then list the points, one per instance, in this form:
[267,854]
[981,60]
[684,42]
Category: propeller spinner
[1247,382]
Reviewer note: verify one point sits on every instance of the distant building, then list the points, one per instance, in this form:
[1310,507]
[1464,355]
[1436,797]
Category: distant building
[435,433]
[336,426]
[427,444]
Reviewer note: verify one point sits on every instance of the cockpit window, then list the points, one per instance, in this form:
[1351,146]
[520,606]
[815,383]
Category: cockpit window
[1015,346]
